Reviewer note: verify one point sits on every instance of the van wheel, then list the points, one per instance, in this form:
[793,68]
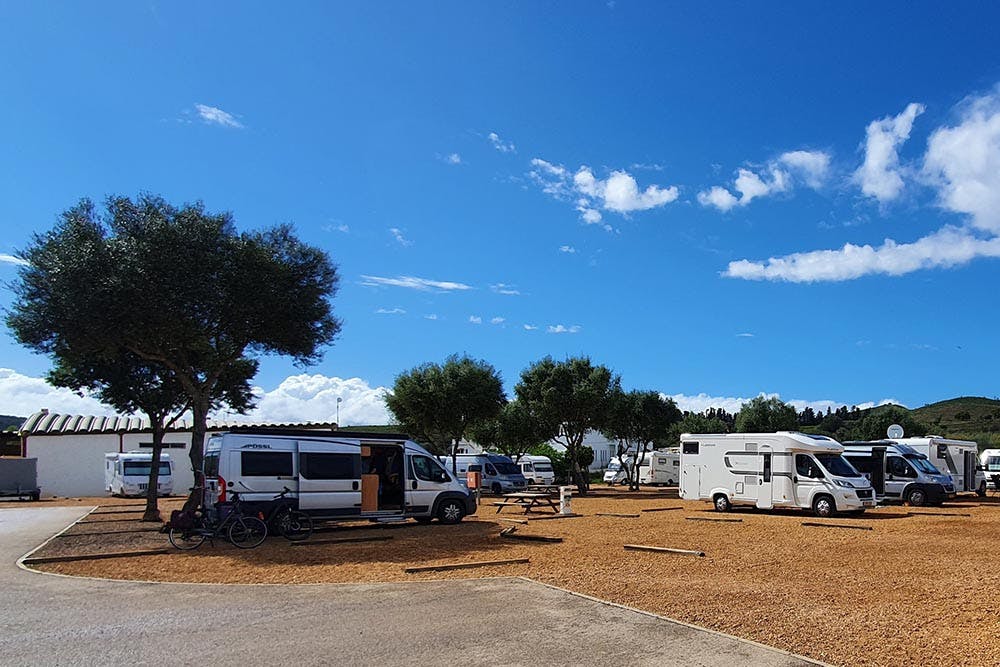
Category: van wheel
[981,491]
[496,489]
[917,497]
[824,506]
[450,511]
[722,503]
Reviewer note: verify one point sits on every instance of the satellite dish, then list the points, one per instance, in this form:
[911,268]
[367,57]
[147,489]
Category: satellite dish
[894,432]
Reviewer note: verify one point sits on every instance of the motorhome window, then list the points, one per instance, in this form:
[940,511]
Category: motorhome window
[475,467]
[690,447]
[543,467]
[428,470]
[615,465]
[898,467]
[210,464]
[490,470]
[767,467]
[504,466]
[165,445]
[922,464]
[323,465]
[266,464]
[143,467]
[837,465]
[805,466]
[942,451]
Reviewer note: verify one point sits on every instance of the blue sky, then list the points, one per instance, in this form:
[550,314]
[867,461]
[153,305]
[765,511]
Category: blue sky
[650,184]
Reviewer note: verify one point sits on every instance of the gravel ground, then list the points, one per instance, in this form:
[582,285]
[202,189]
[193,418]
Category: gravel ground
[916,589]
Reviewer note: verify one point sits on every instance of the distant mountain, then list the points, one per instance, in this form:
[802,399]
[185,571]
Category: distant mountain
[7,421]
[967,418]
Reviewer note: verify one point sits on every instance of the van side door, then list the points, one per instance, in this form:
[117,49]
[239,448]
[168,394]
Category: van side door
[329,478]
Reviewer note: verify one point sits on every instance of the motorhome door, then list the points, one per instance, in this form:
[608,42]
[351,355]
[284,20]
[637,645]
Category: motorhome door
[969,473]
[764,497]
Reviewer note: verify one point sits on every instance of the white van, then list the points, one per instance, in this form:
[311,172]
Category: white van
[335,474]
[957,458]
[661,468]
[616,472]
[536,469]
[765,470]
[989,461]
[500,474]
[127,474]
[899,472]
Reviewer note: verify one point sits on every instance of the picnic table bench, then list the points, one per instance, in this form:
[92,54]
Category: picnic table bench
[529,501]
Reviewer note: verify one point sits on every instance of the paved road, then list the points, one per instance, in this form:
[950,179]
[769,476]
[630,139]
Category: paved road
[63,621]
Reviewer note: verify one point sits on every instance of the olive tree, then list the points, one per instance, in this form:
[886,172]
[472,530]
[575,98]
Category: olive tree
[639,421]
[766,415]
[513,432]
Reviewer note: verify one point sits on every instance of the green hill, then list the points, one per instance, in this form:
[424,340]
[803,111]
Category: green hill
[8,421]
[967,418]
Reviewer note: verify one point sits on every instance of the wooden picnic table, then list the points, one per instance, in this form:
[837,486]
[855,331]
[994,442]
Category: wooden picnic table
[529,501]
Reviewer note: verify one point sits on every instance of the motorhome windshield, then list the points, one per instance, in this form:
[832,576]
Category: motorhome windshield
[993,463]
[922,464]
[142,468]
[503,466]
[543,467]
[837,465]
[615,465]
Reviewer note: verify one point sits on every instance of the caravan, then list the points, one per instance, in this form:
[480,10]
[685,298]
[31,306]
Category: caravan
[127,474]
[536,469]
[957,458]
[899,472]
[765,470]
[335,475]
[660,468]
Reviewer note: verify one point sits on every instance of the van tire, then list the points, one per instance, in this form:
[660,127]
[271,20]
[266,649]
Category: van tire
[496,489]
[722,503]
[917,497]
[450,511]
[824,506]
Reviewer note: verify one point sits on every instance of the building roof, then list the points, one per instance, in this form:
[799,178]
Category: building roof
[47,423]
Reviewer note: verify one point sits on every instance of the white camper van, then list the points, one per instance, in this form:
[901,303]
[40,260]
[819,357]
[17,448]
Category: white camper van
[899,472]
[536,469]
[500,474]
[616,472]
[765,470]
[989,460]
[957,458]
[335,474]
[661,468]
[127,474]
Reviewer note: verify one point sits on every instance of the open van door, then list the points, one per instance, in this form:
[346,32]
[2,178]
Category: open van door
[877,475]
[764,488]
[969,472]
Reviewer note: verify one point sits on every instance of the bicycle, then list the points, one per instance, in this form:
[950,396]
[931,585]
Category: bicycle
[292,524]
[242,531]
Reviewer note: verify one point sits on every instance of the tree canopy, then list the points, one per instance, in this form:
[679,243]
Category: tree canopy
[874,425]
[513,432]
[639,421]
[766,415]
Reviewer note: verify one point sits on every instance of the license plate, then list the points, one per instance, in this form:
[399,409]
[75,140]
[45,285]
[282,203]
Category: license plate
[869,503]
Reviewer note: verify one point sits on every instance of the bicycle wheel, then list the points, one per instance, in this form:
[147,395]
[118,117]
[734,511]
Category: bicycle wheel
[293,525]
[247,532]
[186,540]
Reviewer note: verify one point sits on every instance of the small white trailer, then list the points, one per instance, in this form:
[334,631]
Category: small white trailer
[19,478]
[957,458]
[127,474]
[661,468]
[766,470]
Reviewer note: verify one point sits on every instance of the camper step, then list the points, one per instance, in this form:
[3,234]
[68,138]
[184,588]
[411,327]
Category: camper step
[390,519]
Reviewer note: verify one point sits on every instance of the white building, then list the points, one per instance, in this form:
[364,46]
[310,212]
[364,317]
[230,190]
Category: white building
[70,448]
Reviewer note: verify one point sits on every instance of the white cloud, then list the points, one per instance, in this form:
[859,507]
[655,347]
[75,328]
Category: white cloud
[11,259]
[342,228]
[216,116]
[619,192]
[530,327]
[745,334]
[400,239]
[701,402]
[498,320]
[475,319]
[947,247]
[568,249]
[22,395]
[503,288]
[880,174]
[780,175]
[718,197]
[301,398]
[390,311]
[559,329]
[431,316]
[813,166]
[412,282]
[453,158]
[500,144]
[963,162]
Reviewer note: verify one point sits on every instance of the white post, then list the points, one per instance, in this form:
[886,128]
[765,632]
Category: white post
[565,498]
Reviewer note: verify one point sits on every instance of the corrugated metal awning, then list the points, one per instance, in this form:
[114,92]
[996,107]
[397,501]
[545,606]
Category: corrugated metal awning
[46,423]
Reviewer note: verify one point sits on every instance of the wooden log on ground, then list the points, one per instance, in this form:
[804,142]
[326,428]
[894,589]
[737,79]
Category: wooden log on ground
[464,566]
[661,509]
[530,538]
[705,518]
[620,516]
[939,513]
[554,516]
[96,513]
[521,521]
[75,557]
[112,532]
[643,547]
[816,524]
[342,540]
[106,520]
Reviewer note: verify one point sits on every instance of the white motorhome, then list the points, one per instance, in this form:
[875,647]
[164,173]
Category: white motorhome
[661,468]
[335,475]
[957,458]
[127,474]
[616,472]
[899,472]
[989,460]
[765,470]
[536,469]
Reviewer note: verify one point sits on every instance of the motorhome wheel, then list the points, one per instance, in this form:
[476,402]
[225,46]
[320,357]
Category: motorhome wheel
[916,497]
[722,503]
[824,506]
[450,511]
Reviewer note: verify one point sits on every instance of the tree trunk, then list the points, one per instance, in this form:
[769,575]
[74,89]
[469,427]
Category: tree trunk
[454,457]
[152,512]
[199,418]
[581,480]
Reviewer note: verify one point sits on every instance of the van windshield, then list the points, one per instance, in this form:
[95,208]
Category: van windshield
[142,468]
[993,463]
[504,466]
[922,464]
[614,465]
[543,467]
[837,465]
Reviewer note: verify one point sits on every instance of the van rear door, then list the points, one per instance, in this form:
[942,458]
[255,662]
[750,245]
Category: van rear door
[329,478]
